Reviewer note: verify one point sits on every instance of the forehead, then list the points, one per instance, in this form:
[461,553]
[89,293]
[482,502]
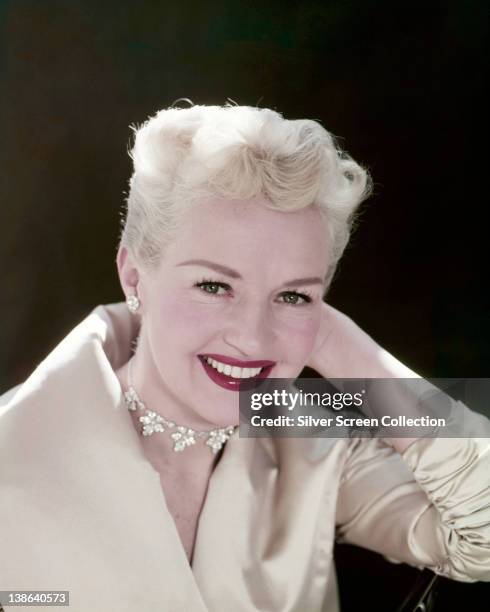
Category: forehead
[236,231]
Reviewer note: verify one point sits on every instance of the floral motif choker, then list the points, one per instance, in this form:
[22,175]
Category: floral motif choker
[152,422]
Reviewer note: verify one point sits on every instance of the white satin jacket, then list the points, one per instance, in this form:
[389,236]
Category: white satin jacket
[82,509]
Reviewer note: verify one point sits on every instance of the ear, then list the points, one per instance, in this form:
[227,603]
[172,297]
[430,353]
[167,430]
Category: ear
[129,275]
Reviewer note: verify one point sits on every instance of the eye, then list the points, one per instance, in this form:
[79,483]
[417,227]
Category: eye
[293,298]
[213,287]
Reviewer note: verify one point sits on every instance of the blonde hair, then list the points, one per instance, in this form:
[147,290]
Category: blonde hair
[239,152]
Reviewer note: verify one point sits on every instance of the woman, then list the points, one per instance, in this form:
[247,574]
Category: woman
[124,478]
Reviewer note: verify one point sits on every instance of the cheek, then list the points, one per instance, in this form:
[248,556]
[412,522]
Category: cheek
[187,323]
[299,335]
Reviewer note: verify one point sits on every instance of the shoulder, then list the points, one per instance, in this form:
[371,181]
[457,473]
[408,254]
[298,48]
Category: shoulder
[77,372]
[9,395]
[7,398]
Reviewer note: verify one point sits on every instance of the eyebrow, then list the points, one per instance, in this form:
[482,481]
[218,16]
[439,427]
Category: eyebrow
[204,263]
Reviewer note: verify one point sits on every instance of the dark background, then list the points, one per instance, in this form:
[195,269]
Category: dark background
[401,83]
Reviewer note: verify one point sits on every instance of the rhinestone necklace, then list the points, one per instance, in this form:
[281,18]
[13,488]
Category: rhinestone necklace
[152,422]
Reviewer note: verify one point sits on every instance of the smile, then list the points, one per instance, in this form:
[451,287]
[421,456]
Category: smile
[229,373]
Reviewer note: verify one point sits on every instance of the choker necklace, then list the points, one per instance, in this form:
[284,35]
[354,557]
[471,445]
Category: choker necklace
[152,422]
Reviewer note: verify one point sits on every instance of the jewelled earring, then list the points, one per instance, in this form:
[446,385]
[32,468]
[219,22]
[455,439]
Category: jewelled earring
[133,303]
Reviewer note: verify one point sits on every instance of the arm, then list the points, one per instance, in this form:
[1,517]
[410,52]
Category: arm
[344,350]
[429,507]
[424,501]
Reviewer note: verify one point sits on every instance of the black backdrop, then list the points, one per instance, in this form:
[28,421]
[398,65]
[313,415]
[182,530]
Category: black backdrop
[401,83]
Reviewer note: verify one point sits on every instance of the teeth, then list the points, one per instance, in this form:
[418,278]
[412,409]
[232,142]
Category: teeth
[233,371]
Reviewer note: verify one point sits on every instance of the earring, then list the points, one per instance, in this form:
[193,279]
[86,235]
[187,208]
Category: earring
[133,303]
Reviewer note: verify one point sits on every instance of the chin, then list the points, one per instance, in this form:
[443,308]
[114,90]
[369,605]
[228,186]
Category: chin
[220,409]
[223,418]
[291,373]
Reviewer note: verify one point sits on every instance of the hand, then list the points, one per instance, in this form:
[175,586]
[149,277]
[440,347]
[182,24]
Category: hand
[343,350]
[331,344]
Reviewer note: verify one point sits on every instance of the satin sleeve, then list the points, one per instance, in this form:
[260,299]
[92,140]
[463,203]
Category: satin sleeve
[428,507]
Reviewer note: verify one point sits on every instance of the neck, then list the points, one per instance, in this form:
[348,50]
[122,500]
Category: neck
[195,460]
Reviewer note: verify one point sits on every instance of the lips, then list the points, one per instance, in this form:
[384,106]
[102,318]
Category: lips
[228,382]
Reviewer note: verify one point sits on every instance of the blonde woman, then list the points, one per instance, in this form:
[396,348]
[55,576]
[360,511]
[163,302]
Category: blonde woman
[123,477]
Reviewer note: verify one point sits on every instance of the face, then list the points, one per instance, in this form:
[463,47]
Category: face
[240,285]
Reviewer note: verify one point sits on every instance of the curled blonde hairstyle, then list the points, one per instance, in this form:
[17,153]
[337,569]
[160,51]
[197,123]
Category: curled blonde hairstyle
[239,152]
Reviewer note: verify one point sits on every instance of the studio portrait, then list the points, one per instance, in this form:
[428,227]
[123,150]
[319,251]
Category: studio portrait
[244,353]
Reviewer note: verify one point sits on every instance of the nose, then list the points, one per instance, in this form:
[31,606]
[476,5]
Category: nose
[249,330]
